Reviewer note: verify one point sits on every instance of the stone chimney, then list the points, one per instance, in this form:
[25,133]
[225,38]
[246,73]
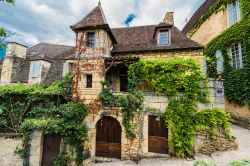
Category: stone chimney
[169,18]
[14,54]
[16,49]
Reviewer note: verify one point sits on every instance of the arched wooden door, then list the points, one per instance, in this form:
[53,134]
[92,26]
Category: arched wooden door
[108,138]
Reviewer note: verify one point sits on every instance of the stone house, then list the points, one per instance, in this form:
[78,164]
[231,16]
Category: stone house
[104,53]
[215,25]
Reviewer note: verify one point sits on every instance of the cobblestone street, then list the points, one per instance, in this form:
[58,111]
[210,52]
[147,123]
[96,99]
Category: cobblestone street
[219,158]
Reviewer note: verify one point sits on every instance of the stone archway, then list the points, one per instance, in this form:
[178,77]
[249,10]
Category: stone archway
[108,138]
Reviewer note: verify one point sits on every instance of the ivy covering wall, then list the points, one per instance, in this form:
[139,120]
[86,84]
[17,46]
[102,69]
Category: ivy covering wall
[182,82]
[236,81]
[24,109]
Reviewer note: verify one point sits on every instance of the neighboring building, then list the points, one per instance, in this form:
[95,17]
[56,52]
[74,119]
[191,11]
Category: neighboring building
[228,24]
[41,63]
[106,54]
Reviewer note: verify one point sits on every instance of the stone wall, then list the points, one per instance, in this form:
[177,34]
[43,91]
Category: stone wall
[8,145]
[206,144]
[16,49]
[211,28]
[240,115]
[6,70]
[36,148]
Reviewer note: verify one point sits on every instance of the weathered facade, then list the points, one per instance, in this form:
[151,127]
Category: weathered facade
[103,53]
[204,32]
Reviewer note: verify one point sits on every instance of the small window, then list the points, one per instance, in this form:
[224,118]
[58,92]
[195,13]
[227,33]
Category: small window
[90,39]
[233,12]
[236,55]
[35,69]
[89,81]
[163,38]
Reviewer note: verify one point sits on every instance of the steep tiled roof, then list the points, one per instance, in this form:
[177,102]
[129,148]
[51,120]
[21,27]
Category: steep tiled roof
[45,50]
[68,54]
[197,15]
[136,39]
[95,18]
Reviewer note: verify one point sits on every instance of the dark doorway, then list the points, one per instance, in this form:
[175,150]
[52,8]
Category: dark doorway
[51,148]
[108,138]
[157,135]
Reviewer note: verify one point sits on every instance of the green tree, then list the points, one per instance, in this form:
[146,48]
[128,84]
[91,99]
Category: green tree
[3,33]
[8,1]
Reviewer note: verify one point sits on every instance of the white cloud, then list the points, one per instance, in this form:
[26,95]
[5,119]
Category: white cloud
[49,21]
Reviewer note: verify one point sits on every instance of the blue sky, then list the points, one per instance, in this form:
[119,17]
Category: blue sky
[36,21]
[2,52]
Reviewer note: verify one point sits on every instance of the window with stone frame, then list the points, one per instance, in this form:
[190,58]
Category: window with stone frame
[233,13]
[236,55]
[89,80]
[90,39]
[164,38]
[35,69]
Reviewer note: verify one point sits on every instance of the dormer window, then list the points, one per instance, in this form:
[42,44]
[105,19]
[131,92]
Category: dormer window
[164,38]
[90,39]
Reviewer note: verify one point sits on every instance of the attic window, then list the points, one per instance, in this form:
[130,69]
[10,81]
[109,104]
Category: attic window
[164,38]
[90,39]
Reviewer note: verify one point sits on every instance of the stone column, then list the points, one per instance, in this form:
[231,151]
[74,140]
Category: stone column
[36,148]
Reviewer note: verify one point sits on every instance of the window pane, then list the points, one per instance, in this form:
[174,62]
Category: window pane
[235,56]
[90,39]
[164,38]
[232,13]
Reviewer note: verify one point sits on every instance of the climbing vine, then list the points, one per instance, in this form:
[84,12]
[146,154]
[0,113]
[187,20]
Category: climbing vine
[182,82]
[236,81]
[129,104]
[24,109]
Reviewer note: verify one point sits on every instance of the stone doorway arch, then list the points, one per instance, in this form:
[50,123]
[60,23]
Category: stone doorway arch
[108,138]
